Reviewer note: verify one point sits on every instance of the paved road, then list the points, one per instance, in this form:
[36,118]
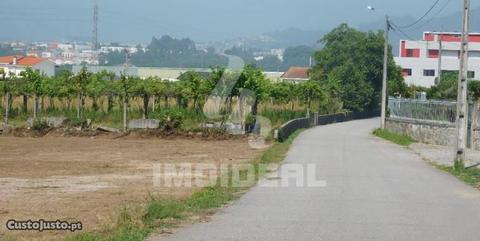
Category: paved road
[375,191]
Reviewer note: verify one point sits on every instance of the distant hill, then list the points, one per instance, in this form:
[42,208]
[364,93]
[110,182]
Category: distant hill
[294,37]
[293,56]
[277,40]
[169,52]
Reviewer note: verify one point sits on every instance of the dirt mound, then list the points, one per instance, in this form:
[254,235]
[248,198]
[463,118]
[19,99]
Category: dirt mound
[200,133]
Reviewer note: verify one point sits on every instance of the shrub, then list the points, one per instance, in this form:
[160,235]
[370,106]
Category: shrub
[171,119]
[40,125]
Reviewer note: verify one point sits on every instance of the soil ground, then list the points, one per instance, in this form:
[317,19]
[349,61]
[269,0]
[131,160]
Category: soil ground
[91,179]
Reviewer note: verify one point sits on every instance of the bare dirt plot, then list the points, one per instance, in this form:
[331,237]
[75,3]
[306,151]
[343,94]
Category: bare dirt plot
[90,180]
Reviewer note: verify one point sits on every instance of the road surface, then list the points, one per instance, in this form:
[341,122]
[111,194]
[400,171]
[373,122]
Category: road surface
[375,191]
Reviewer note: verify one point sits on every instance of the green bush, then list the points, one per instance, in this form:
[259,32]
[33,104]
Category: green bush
[171,119]
[40,125]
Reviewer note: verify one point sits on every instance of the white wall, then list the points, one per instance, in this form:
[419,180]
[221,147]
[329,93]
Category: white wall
[450,61]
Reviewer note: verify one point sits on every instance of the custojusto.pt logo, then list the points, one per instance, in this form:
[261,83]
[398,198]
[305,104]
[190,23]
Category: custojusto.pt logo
[43,225]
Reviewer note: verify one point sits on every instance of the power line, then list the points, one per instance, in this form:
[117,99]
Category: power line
[420,19]
[434,16]
[397,29]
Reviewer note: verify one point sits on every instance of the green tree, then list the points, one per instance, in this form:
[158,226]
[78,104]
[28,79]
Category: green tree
[474,90]
[312,90]
[124,89]
[352,61]
[51,88]
[297,56]
[33,85]
[144,88]
[252,79]
[97,87]
[67,87]
[159,88]
[81,81]
[195,87]
[446,89]
[7,85]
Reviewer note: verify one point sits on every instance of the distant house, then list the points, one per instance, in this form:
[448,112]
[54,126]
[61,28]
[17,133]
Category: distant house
[16,64]
[296,74]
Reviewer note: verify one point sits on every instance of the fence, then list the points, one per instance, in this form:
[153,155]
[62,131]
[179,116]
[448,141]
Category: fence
[429,110]
[437,120]
[303,123]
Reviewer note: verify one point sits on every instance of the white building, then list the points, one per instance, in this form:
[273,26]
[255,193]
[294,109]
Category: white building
[420,59]
[17,64]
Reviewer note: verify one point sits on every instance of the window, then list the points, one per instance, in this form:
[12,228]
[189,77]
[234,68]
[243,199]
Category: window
[409,52]
[407,72]
[433,53]
[471,74]
[413,53]
[428,72]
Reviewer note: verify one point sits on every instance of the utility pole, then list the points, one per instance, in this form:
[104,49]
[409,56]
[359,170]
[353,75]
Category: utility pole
[95,32]
[462,105]
[95,27]
[385,74]
[440,52]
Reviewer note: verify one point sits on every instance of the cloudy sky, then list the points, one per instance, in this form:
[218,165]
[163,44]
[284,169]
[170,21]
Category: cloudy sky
[202,20]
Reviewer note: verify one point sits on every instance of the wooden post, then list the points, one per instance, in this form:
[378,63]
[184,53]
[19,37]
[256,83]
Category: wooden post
[35,107]
[79,105]
[154,103]
[7,107]
[125,109]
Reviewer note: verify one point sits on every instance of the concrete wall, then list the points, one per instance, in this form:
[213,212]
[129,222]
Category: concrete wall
[46,67]
[423,131]
[476,139]
[429,132]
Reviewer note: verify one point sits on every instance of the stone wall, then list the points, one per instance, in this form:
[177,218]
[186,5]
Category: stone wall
[144,124]
[431,132]
[424,131]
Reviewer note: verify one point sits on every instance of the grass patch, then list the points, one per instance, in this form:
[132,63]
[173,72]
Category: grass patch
[470,176]
[277,152]
[163,209]
[137,224]
[209,198]
[399,139]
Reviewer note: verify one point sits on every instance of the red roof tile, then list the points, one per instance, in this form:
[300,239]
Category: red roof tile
[21,60]
[296,73]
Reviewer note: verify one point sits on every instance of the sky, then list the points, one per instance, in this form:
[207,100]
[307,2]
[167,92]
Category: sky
[202,20]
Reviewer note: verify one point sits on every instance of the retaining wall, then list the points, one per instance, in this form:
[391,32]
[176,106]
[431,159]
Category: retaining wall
[430,132]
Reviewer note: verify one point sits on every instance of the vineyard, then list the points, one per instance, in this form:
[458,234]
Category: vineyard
[106,99]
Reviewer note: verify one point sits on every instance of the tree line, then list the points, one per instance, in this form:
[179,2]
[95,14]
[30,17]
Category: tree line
[190,91]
